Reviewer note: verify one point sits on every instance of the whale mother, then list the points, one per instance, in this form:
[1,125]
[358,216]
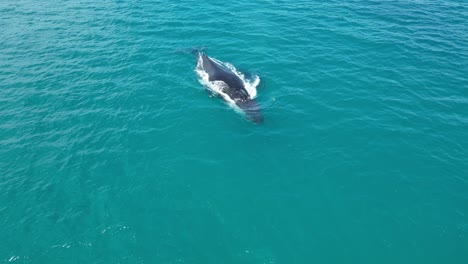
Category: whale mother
[232,86]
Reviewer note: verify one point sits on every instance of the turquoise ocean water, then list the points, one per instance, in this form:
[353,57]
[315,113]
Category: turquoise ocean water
[112,152]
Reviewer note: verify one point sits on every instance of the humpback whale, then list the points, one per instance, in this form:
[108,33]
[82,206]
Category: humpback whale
[226,83]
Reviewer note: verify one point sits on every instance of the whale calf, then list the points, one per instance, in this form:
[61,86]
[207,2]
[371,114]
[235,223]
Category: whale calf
[224,81]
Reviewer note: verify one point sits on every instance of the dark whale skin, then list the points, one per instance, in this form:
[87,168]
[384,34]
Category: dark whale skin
[234,88]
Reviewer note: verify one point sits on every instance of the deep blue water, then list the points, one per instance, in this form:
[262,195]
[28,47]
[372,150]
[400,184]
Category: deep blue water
[111,151]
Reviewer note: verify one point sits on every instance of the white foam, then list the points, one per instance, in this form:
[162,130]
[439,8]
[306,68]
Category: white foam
[217,86]
[250,85]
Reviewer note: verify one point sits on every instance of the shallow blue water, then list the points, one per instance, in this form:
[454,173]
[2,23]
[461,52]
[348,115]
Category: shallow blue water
[112,152]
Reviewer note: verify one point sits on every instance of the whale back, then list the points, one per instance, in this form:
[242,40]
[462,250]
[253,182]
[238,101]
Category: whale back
[233,86]
[217,72]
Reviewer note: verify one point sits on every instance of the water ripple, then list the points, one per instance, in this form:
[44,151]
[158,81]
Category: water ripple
[109,147]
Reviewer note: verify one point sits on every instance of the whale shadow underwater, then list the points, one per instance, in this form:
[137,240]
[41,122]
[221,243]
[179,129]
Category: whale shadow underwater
[225,82]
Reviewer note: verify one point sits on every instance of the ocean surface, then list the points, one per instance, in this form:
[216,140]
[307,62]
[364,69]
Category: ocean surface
[111,151]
